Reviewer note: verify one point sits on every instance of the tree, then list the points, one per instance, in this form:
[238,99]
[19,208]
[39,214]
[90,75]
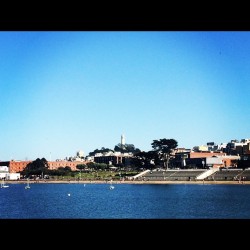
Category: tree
[81,166]
[126,148]
[243,164]
[144,159]
[164,148]
[37,167]
[102,150]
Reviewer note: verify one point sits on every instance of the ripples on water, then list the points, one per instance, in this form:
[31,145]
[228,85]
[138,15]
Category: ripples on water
[126,201]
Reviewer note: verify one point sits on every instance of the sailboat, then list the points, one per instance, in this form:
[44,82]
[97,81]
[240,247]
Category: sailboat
[3,185]
[28,184]
[111,186]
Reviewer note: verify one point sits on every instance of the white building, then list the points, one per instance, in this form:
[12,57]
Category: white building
[202,148]
[5,174]
[80,153]
[13,176]
[4,169]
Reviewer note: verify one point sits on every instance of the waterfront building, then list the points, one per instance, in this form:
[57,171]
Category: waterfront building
[18,166]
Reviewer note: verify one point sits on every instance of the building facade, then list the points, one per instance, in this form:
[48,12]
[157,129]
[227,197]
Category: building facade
[18,166]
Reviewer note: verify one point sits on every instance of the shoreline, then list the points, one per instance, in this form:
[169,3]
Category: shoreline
[126,182]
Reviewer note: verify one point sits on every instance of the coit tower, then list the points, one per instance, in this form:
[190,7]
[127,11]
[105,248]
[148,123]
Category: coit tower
[122,140]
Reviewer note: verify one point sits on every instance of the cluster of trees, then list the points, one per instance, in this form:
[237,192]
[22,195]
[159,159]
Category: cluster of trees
[93,166]
[102,150]
[123,148]
[126,148]
[37,167]
[40,167]
[160,155]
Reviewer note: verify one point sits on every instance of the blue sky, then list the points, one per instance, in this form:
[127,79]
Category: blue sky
[67,91]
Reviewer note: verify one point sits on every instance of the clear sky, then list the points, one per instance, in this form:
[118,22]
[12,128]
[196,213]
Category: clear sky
[67,91]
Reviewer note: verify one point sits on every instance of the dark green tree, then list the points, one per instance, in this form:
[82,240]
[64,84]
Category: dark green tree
[37,167]
[126,148]
[81,166]
[67,169]
[164,148]
[243,164]
[144,160]
[102,150]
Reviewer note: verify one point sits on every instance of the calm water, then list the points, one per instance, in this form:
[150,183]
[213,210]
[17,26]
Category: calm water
[132,201]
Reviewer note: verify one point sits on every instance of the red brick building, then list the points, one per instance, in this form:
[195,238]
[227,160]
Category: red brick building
[18,166]
[206,159]
[204,154]
[71,164]
[15,166]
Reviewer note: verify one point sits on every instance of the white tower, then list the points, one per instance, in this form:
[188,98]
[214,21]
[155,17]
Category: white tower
[122,140]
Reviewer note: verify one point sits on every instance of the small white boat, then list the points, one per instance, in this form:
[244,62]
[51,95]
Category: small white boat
[3,185]
[28,184]
[111,186]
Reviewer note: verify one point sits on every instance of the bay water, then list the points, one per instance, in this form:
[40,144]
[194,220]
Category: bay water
[125,201]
